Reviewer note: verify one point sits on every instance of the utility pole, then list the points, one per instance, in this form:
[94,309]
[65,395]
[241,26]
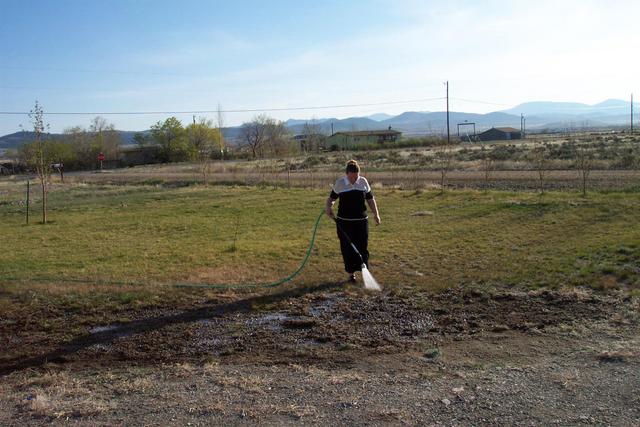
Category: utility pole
[220,135]
[448,134]
[631,113]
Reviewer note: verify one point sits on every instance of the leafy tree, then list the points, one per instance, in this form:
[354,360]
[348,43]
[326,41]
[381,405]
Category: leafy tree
[101,137]
[62,152]
[78,140]
[141,139]
[204,141]
[104,139]
[173,141]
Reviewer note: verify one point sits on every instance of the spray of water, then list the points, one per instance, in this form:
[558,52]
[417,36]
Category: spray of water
[369,281]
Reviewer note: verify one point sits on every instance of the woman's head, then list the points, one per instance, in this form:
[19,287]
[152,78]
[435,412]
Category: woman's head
[353,171]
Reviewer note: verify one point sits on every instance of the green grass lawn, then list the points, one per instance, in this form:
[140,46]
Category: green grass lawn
[229,235]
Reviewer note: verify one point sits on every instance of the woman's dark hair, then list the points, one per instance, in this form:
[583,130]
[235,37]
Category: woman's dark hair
[352,166]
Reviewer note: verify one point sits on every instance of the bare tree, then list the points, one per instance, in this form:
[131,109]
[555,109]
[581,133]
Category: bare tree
[584,162]
[264,135]
[313,138]
[38,155]
[444,159]
[254,134]
[487,165]
[539,163]
[278,139]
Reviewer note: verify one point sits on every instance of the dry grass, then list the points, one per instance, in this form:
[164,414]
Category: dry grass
[419,179]
[137,385]
[568,379]
[56,395]
[254,384]
[40,405]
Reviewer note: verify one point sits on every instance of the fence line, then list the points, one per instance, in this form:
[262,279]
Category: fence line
[408,180]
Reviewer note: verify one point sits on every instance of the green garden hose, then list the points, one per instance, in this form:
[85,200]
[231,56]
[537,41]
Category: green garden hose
[263,285]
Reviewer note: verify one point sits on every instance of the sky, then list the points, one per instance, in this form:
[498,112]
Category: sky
[117,56]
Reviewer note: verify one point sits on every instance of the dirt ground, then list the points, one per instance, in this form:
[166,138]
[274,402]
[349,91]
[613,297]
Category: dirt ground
[331,354]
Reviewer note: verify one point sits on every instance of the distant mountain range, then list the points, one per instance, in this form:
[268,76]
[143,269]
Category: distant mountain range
[539,115]
[610,107]
[379,116]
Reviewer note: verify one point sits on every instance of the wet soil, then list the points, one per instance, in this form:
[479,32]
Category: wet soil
[331,354]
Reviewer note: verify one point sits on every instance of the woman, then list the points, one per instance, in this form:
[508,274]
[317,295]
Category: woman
[352,220]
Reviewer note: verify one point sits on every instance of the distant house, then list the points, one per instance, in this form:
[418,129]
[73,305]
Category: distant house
[362,137]
[500,134]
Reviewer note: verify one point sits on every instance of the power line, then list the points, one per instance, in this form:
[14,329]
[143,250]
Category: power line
[248,110]
[448,136]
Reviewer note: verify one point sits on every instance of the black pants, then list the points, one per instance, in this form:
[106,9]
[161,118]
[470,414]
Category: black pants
[358,232]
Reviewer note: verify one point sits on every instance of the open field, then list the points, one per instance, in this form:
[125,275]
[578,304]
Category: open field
[510,180]
[615,166]
[201,234]
[499,307]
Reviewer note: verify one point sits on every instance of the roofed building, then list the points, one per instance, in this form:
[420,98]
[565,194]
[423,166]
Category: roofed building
[500,134]
[363,137]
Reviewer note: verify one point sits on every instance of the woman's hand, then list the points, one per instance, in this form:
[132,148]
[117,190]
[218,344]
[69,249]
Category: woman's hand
[374,210]
[328,208]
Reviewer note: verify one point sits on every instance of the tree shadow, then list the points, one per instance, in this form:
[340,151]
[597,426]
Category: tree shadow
[136,327]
